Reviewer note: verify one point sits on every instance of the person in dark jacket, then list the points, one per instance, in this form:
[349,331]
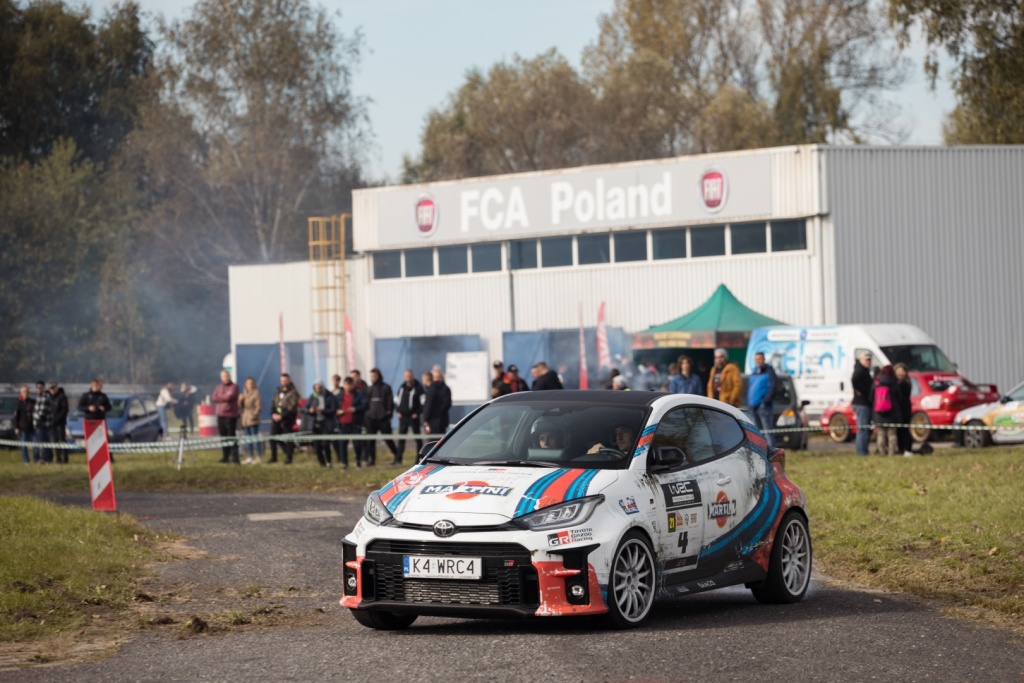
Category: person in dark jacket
[381,406]
[351,402]
[409,405]
[438,404]
[283,411]
[903,391]
[863,400]
[42,421]
[546,379]
[23,428]
[512,382]
[225,400]
[60,419]
[322,407]
[761,388]
[885,410]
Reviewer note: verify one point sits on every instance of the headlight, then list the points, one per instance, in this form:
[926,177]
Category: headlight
[6,425]
[787,419]
[375,511]
[564,514]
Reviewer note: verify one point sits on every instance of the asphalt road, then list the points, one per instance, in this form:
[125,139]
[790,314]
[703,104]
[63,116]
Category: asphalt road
[836,634]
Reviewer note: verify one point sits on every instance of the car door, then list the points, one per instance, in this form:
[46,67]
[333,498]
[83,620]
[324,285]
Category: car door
[734,481]
[135,425]
[680,505]
[1008,418]
[153,426]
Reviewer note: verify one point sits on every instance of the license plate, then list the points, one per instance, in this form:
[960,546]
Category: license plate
[428,567]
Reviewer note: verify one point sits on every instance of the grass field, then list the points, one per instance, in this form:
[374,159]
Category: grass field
[946,527]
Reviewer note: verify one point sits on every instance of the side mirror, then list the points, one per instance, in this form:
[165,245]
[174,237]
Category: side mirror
[804,403]
[427,447]
[1004,399]
[667,458]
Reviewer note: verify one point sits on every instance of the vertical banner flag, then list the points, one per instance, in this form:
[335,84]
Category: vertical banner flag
[280,336]
[350,349]
[604,356]
[101,477]
[584,381]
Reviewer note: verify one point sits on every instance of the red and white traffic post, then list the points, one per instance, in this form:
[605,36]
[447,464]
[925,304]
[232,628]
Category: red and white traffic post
[101,476]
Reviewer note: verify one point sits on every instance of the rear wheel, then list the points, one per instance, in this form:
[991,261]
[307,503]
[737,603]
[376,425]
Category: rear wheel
[920,427]
[789,569]
[839,428]
[383,621]
[978,436]
[632,582]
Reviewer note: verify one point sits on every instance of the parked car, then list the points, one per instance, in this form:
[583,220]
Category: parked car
[1004,419]
[8,405]
[132,418]
[563,503]
[788,412]
[935,399]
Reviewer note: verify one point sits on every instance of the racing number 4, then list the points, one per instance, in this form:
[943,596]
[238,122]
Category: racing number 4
[684,540]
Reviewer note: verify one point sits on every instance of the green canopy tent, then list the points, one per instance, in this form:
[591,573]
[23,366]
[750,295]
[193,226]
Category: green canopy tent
[721,321]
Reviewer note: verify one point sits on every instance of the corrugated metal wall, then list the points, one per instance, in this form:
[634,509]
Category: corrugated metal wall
[934,237]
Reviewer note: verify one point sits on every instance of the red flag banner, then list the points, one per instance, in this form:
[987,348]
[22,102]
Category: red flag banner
[584,380]
[280,336]
[604,356]
[350,348]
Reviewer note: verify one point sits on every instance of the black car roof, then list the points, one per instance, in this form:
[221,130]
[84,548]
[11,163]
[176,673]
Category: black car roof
[603,397]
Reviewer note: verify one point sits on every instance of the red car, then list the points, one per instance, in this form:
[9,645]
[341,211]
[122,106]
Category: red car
[935,399]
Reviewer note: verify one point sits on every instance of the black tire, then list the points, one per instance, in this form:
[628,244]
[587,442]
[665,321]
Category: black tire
[839,428]
[383,621]
[789,569]
[976,438]
[632,583]
[920,427]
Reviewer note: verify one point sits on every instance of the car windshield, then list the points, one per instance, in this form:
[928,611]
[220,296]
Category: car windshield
[546,433]
[117,407]
[8,404]
[919,357]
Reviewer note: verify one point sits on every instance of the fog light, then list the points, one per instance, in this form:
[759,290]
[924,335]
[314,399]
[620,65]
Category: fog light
[351,582]
[577,591]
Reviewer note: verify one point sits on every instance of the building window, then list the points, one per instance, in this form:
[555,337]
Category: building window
[419,262]
[789,235]
[387,265]
[630,246]
[707,241]
[592,249]
[749,238]
[487,257]
[669,243]
[556,251]
[452,260]
[523,254]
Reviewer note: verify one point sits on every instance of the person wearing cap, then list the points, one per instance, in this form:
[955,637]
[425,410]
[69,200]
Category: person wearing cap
[60,419]
[725,383]
[863,393]
[42,423]
[498,379]
[225,400]
[620,383]
[513,382]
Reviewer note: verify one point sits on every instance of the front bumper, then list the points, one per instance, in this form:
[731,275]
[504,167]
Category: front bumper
[519,578]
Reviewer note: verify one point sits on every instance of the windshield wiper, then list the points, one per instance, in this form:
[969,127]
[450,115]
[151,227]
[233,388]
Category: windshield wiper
[444,461]
[519,463]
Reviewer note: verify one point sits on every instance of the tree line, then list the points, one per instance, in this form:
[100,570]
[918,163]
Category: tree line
[139,159]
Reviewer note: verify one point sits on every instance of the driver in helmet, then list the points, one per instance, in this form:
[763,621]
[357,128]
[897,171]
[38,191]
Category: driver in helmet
[547,434]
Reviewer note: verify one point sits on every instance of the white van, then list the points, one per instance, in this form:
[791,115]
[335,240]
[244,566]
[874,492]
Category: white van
[821,359]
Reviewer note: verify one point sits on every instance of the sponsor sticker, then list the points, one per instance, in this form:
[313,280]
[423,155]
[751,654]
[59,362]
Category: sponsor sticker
[681,494]
[629,506]
[465,490]
[570,536]
[671,522]
[722,509]
[706,584]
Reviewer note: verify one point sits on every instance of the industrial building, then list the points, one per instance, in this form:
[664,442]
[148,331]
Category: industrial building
[513,265]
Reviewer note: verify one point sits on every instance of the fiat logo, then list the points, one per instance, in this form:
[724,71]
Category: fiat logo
[444,528]
[426,216]
[714,189]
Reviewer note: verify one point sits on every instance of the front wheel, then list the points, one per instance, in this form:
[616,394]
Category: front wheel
[920,427]
[789,569]
[977,436]
[632,583]
[383,621]
[839,428]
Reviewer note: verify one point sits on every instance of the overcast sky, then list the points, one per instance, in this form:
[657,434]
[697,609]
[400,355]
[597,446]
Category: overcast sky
[418,52]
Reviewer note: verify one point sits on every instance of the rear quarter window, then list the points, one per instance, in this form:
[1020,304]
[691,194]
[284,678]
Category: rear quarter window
[726,433]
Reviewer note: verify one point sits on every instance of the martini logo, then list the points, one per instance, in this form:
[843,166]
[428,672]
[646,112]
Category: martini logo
[464,490]
[722,509]
[714,189]
[426,216]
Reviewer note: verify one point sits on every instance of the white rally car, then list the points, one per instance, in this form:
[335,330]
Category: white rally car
[579,502]
[999,422]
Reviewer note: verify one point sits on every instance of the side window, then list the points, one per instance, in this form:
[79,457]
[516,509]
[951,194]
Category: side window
[726,434]
[915,386]
[685,429]
[135,409]
[150,405]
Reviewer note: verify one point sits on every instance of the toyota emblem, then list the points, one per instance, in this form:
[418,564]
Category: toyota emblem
[444,528]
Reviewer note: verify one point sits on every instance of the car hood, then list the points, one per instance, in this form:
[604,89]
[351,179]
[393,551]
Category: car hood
[486,495]
[975,412]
